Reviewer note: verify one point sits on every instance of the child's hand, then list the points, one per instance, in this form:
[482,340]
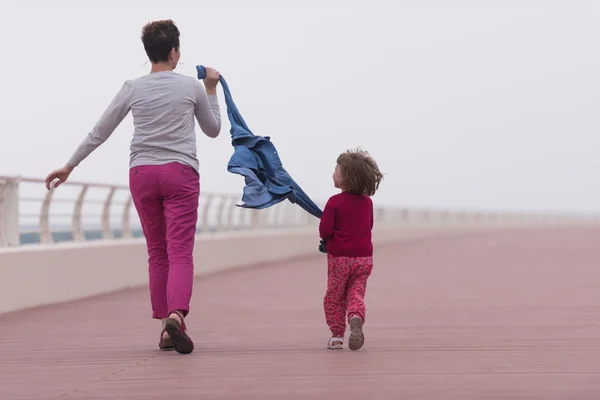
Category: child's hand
[322,247]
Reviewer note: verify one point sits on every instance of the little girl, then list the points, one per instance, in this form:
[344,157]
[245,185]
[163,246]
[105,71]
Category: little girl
[345,229]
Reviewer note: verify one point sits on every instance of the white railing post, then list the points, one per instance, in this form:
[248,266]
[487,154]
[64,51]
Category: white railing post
[45,231]
[205,213]
[126,219]
[106,231]
[230,224]
[9,213]
[77,227]
[220,210]
[255,219]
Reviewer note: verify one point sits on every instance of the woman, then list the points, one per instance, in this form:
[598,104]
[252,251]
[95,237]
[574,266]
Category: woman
[163,178]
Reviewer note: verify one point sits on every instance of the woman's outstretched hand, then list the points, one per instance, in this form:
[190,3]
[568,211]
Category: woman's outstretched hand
[62,174]
[211,80]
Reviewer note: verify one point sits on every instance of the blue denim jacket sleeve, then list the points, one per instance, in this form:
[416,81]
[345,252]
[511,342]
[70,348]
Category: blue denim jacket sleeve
[255,158]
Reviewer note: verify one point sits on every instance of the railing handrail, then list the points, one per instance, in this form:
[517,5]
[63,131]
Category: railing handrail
[99,185]
[19,178]
[222,207]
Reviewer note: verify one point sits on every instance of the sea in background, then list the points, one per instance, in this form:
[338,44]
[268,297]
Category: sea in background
[67,236]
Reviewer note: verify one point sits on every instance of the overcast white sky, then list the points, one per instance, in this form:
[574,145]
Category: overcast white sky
[465,104]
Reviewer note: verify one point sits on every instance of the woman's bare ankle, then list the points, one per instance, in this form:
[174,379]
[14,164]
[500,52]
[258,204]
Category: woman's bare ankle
[176,316]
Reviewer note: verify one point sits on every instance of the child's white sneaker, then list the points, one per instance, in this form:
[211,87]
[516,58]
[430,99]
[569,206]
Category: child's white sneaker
[357,337]
[335,343]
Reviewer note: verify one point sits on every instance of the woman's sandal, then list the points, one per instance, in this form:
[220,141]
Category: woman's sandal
[165,343]
[179,337]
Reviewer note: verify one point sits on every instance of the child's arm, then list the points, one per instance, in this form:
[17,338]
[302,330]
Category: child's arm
[327,224]
[371,214]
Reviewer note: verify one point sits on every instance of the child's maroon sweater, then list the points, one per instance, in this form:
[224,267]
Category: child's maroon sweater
[346,225]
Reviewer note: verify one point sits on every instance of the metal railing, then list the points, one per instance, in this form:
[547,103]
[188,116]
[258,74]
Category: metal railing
[80,211]
[59,215]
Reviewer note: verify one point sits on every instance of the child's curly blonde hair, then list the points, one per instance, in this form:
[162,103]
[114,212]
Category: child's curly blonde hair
[360,173]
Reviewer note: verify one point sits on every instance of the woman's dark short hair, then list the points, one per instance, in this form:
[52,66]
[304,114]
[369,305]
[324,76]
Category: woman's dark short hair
[159,38]
[360,173]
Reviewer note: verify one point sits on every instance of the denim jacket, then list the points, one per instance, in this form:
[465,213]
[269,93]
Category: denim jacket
[256,159]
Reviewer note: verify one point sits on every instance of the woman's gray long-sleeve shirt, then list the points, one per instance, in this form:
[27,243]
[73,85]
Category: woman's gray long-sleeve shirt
[163,105]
